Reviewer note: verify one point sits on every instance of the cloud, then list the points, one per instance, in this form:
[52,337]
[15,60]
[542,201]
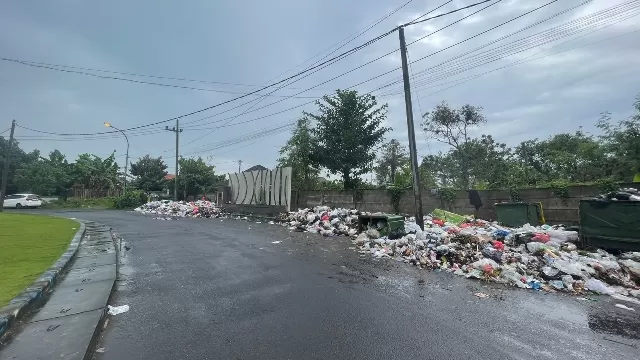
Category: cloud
[555,93]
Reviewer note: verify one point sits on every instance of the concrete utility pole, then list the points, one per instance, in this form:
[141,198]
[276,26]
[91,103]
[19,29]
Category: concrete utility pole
[176,130]
[417,201]
[126,162]
[5,170]
[239,165]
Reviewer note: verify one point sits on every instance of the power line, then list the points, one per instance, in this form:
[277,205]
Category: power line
[489,43]
[495,55]
[528,59]
[26,63]
[5,131]
[247,110]
[511,48]
[318,66]
[365,64]
[448,13]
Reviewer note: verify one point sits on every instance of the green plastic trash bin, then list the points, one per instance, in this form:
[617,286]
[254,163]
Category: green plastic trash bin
[518,214]
[611,225]
[384,223]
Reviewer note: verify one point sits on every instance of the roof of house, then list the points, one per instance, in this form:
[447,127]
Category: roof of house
[255,168]
[169,176]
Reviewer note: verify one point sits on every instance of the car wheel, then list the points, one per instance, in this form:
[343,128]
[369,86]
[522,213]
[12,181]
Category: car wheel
[18,206]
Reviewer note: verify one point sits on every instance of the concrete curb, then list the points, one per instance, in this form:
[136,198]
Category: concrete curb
[44,284]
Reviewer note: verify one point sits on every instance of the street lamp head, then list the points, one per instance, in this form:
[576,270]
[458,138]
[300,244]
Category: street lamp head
[107,124]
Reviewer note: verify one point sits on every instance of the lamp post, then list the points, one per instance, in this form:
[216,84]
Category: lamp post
[126,164]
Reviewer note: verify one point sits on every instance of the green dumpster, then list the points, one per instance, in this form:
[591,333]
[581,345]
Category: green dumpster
[518,214]
[384,223]
[611,225]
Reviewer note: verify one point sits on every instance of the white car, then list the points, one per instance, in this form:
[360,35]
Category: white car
[19,201]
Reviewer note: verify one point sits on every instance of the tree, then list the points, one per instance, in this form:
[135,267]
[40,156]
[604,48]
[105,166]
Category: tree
[19,158]
[393,157]
[45,176]
[622,143]
[149,173]
[196,176]
[96,173]
[451,126]
[297,153]
[348,128]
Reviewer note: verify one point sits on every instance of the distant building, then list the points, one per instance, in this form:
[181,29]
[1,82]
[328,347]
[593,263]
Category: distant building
[169,177]
[255,168]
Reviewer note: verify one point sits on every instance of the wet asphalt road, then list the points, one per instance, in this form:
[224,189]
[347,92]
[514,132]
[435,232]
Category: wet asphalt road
[212,289]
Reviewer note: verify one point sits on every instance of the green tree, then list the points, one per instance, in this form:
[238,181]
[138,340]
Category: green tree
[19,158]
[392,158]
[348,129]
[452,127]
[196,176]
[96,173]
[45,176]
[149,173]
[577,157]
[297,153]
[622,143]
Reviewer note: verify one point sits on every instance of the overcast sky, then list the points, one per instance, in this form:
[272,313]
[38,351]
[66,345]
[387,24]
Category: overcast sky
[565,79]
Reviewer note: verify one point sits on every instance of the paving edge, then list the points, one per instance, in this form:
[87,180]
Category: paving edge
[20,304]
[103,316]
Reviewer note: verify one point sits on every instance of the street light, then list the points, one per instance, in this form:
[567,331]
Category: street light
[126,166]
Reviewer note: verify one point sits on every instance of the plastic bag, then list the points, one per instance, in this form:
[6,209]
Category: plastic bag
[480,264]
[599,287]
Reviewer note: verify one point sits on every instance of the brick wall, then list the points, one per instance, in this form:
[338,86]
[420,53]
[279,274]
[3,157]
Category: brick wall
[556,210]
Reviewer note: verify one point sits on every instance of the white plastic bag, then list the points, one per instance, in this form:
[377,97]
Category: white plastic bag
[599,287]
[115,310]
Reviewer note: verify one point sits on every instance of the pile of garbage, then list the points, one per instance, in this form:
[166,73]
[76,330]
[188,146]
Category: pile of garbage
[323,220]
[540,258]
[168,209]
[624,194]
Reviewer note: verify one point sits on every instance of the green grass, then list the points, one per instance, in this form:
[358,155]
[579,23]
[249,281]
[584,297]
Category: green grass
[29,245]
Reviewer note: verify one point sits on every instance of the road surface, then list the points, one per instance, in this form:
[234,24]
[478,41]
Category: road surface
[222,289]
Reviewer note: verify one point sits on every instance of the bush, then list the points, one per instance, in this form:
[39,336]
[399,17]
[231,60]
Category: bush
[130,200]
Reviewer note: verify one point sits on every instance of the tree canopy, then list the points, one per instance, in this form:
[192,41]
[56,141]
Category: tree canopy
[348,129]
[149,173]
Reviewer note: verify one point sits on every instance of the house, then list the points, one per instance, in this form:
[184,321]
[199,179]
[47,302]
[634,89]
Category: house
[255,168]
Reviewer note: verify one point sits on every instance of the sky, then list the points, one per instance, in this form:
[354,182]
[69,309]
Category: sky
[551,81]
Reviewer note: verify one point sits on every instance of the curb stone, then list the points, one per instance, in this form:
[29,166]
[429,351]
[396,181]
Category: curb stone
[20,304]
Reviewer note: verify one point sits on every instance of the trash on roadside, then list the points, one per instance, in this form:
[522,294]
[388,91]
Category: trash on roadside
[276,242]
[116,310]
[168,209]
[481,295]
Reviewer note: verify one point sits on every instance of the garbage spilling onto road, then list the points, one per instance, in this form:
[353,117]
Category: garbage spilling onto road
[167,209]
[539,258]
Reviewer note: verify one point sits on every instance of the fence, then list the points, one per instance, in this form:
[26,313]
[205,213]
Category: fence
[83,193]
[557,209]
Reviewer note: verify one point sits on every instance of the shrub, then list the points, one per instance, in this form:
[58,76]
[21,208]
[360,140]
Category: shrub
[130,200]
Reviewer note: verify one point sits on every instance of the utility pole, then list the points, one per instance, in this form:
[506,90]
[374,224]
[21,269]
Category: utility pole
[239,165]
[176,130]
[417,201]
[5,170]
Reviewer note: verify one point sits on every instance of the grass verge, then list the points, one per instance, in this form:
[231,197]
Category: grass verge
[29,245]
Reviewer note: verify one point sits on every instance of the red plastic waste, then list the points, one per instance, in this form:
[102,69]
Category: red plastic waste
[438,222]
[498,245]
[541,237]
